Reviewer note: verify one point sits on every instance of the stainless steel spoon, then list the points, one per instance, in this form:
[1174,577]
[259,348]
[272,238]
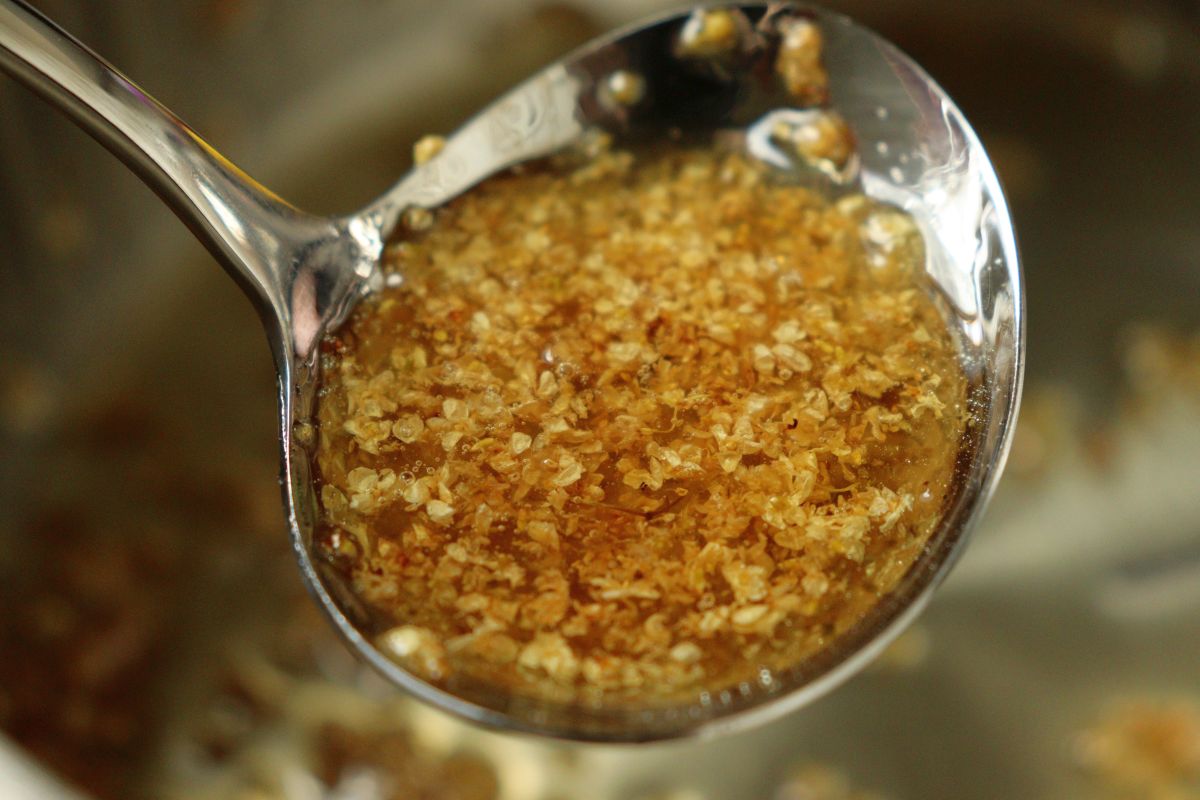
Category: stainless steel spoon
[304,273]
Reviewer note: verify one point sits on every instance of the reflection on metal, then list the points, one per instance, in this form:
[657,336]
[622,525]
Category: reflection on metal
[21,778]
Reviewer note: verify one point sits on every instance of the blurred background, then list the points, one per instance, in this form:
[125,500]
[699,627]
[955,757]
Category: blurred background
[155,641]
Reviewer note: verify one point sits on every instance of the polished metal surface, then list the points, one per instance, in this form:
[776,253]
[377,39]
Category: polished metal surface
[305,272]
[20,778]
[302,272]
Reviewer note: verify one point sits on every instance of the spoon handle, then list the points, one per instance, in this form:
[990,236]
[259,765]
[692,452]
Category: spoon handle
[236,218]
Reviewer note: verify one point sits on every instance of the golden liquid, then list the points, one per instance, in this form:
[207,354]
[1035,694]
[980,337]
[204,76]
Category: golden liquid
[638,428]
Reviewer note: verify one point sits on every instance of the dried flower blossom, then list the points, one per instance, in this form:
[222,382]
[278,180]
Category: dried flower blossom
[426,148]
[800,62]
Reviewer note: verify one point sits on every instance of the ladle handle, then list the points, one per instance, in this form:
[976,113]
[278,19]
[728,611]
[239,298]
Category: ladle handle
[237,219]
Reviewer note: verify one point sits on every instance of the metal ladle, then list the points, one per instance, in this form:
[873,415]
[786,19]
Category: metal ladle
[304,273]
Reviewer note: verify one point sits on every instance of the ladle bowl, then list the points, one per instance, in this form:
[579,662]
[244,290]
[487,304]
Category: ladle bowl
[305,273]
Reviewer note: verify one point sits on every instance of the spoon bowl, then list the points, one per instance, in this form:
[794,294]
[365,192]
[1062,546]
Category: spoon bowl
[305,273]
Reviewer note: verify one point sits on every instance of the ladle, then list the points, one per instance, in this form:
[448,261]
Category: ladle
[304,273]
